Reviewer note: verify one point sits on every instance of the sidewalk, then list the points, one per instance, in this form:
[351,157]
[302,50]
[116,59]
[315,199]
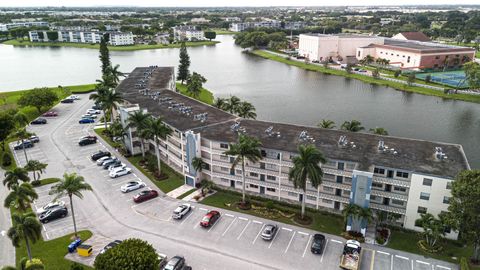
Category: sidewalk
[179,191]
[7,251]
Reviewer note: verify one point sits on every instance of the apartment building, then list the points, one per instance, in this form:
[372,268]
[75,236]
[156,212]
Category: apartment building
[115,38]
[240,27]
[397,175]
[9,26]
[187,33]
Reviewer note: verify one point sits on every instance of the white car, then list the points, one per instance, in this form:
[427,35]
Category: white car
[120,172]
[116,166]
[53,204]
[101,160]
[89,116]
[181,211]
[131,186]
[75,97]
[93,111]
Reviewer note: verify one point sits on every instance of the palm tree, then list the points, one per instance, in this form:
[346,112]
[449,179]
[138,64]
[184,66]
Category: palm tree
[365,214]
[220,103]
[246,110]
[25,227]
[198,164]
[115,73]
[159,130]
[107,98]
[433,228]
[325,123]
[247,148]
[138,120]
[21,196]
[23,135]
[353,126]
[231,104]
[12,177]
[379,131]
[71,184]
[350,210]
[116,130]
[34,166]
[306,166]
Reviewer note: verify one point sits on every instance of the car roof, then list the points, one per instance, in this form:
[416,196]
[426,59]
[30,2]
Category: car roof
[319,236]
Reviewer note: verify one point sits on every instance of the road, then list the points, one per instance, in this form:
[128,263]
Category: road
[232,243]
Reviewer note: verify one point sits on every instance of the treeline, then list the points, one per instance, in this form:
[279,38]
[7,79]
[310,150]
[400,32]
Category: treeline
[257,39]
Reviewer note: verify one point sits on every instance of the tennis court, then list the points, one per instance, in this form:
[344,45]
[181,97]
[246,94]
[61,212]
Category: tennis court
[450,78]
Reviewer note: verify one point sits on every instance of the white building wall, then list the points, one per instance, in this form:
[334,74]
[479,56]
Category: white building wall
[434,205]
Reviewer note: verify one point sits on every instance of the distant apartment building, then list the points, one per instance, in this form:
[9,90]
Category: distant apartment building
[395,175]
[232,19]
[406,54]
[8,26]
[115,38]
[240,27]
[199,21]
[187,33]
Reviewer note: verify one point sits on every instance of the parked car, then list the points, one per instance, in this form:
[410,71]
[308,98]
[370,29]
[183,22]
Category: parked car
[115,166]
[93,111]
[54,213]
[163,260]
[74,97]
[87,140]
[181,211]
[103,159]
[269,232]
[67,100]
[145,195]
[210,218]
[110,245]
[96,107]
[19,145]
[92,116]
[56,203]
[318,243]
[39,121]
[34,139]
[86,121]
[109,162]
[175,263]
[120,172]
[50,114]
[96,156]
[131,186]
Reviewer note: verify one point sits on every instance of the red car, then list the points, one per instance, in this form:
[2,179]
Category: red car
[210,218]
[145,196]
[50,114]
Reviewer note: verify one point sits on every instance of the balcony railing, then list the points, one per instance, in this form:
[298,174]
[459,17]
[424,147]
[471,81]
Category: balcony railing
[390,195]
[391,181]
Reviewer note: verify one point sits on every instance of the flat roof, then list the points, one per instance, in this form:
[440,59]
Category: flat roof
[340,35]
[412,155]
[422,46]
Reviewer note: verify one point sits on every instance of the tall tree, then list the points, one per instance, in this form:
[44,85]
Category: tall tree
[159,131]
[38,98]
[12,177]
[220,103]
[472,74]
[350,210]
[23,135]
[352,126]
[463,209]
[210,35]
[232,104]
[71,184]
[114,73]
[104,54]
[25,227]
[21,196]
[116,130]
[107,98]
[183,68]
[138,120]
[35,167]
[246,149]
[195,84]
[198,164]
[306,167]
[325,123]
[6,127]
[246,110]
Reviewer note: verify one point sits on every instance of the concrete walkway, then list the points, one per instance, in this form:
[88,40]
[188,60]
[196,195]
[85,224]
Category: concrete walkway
[179,191]
[189,197]
[7,251]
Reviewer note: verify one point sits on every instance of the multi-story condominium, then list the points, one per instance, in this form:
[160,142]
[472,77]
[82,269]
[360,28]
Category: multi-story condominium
[8,26]
[396,175]
[187,33]
[240,27]
[115,38]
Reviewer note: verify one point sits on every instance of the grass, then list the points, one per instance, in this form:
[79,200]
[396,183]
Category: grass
[186,193]
[52,252]
[323,222]
[48,181]
[135,47]
[367,79]
[221,31]
[205,95]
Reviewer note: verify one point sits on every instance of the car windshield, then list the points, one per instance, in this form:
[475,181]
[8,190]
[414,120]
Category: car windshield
[206,218]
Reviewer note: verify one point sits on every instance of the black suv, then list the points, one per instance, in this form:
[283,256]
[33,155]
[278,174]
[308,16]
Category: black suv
[54,213]
[87,140]
[96,156]
[67,100]
[318,244]
[39,121]
[175,263]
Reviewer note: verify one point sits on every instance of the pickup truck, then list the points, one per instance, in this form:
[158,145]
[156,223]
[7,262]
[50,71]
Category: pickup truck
[351,256]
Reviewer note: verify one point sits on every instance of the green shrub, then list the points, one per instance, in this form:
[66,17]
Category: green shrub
[6,159]
[397,73]
[76,266]
[34,264]
[464,264]
[36,183]
[131,254]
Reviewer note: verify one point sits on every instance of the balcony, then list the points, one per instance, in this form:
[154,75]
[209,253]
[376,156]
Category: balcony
[391,181]
[390,195]
[387,208]
[337,172]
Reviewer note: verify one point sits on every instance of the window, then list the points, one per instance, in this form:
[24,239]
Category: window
[225,169]
[358,53]
[327,189]
[377,185]
[408,59]
[254,174]
[311,198]
[437,57]
[402,174]
[339,179]
[223,157]
[253,186]
[422,210]
[373,198]
[424,196]
[326,201]
[271,189]
[446,200]
[397,202]
[340,166]
[427,182]
[447,229]
[449,185]
[270,177]
[379,171]
[346,192]
[224,145]
[292,194]
[401,189]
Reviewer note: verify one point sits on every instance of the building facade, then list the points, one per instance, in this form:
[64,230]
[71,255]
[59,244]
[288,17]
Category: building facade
[396,175]
[8,26]
[92,37]
[187,33]
[240,27]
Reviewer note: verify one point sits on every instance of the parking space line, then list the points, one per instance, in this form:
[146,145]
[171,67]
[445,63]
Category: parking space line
[242,218]
[258,234]
[258,222]
[324,250]
[203,209]
[304,233]
[443,267]
[305,250]
[289,243]
[229,226]
[189,214]
[401,257]
[422,262]
[336,241]
[229,215]
[286,229]
[213,225]
[383,252]
[240,235]
[391,263]
[274,237]
[46,234]
[373,260]
[411,264]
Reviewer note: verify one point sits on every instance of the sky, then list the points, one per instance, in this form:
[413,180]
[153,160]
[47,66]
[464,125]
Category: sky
[211,3]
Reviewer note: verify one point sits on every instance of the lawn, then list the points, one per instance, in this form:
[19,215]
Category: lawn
[221,31]
[368,79]
[322,222]
[186,193]
[48,181]
[111,48]
[51,252]
[205,95]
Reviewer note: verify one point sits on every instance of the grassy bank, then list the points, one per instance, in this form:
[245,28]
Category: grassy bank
[205,95]
[367,79]
[221,31]
[51,252]
[135,47]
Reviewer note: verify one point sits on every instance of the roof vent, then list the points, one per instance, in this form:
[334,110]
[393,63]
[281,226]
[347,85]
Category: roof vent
[202,117]
[439,154]
[304,137]
[236,127]
[271,133]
